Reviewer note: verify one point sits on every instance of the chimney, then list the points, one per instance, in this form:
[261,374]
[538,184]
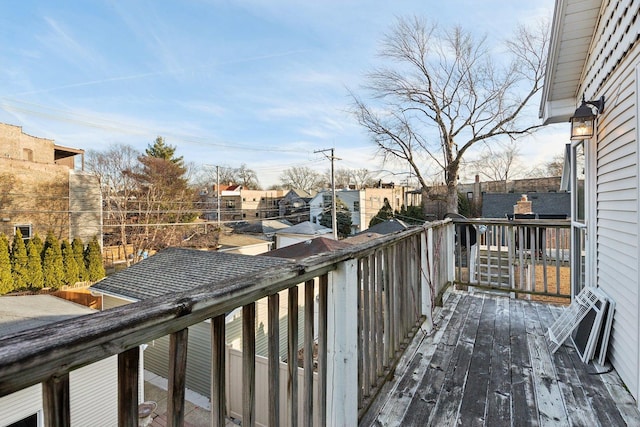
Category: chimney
[523,206]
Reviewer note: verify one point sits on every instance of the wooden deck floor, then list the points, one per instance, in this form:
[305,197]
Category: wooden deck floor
[487,364]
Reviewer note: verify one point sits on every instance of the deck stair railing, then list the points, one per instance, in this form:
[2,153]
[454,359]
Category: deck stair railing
[371,299]
[527,257]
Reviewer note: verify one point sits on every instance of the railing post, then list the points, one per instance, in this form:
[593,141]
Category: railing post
[342,345]
[128,387]
[55,395]
[178,342]
[274,359]
[249,365]
[218,386]
[426,274]
[451,252]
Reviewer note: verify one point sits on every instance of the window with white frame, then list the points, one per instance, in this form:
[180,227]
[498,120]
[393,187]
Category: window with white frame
[25,230]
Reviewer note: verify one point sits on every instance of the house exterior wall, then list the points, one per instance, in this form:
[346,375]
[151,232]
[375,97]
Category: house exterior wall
[612,71]
[93,396]
[47,196]
[17,145]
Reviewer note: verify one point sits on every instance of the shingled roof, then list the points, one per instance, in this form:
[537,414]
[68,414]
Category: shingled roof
[179,269]
[307,248]
[499,205]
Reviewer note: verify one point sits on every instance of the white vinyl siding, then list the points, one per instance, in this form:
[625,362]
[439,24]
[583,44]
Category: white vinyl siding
[199,347]
[20,405]
[93,395]
[156,358]
[617,216]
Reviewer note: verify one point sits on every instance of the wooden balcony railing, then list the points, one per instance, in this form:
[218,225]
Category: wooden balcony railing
[371,299]
[527,257]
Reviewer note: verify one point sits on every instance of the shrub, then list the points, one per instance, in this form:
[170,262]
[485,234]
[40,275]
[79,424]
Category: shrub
[52,265]
[71,271]
[35,276]
[78,254]
[18,261]
[6,280]
[93,258]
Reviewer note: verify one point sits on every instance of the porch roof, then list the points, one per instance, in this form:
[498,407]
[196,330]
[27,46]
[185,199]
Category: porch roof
[572,31]
[488,363]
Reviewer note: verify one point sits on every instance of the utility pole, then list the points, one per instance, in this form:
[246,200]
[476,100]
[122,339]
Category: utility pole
[334,222]
[218,193]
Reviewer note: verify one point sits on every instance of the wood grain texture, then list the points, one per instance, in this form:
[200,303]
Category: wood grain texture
[489,365]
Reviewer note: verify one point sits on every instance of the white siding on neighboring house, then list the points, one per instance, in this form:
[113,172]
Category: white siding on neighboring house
[20,405]
[199,347]
[93,396]
[616,181]
[93,393]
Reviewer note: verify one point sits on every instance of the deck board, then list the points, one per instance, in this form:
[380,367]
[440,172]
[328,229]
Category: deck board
[489,365]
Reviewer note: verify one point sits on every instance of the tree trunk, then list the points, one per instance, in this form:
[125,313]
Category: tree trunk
[424,199]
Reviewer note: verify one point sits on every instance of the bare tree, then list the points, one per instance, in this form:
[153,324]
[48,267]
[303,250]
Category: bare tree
[113,168]
[247,177]
[343,177]
[498,163]
[363,178]
[444,91]
[301,177]
[553,167]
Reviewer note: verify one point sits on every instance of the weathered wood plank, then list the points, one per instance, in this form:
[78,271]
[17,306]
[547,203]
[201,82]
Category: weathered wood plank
[56,402]
[322,349]
[499,391]
[393,409]
[448,405]
[128,372]
[430,386]
[307,412]
[177,376]
[550,406]
[605,409]
[523,401]
[218,386]
[274,359]
[292,356]
[475,397]
[577,404]
[249,365]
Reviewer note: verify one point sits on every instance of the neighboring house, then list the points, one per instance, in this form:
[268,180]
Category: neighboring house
[263,229]
[294,206]
[242,244]
[595,53]
[308,248]
[300,233]
[43,187]
[238,203]
[175,270]
[93,388]
[363,204]
[387,227]
[545,205]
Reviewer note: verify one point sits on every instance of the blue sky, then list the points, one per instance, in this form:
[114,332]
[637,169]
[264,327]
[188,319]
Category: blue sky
[261,82]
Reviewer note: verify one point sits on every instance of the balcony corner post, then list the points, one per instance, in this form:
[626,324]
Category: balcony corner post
[342,345]
[426,275]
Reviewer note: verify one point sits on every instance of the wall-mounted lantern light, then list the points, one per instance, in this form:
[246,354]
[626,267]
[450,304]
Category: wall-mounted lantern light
[583,120]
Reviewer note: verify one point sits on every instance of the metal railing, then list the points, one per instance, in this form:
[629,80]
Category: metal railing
[371,299]
[527,257]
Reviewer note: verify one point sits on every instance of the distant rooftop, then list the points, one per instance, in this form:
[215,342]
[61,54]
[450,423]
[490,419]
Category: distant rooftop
[179,269]
[308,248]
[306,228]
[19,313]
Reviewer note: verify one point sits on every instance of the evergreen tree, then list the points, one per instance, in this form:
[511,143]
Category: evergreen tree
[343,219]
[19,261]
[38,244]
[71,270]
[411,214]
[52,265]
[163,151]
[6,280]
[78,254]
[93,257]
[35,276]
[385,213]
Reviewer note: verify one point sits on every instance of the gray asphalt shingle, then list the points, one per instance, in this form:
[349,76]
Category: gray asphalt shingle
[179,269]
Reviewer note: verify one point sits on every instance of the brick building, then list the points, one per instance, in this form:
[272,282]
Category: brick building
[43,187]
